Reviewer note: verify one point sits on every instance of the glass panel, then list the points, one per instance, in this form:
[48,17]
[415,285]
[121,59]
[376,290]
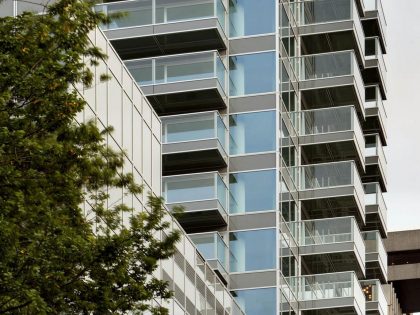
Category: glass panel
[188,128]
[211,246]
[189,187]
[328,175]
[322,11]
[257,301]
[221,131]
[252,73]
[222,192]
[374,293]
[250,17]
[327,120]
[252,250]
[252,191]
[176,10]
[245,137]
[137,12]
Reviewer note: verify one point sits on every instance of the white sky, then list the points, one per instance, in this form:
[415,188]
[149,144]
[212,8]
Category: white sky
[403,108]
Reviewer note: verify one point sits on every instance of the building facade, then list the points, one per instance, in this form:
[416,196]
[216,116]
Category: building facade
[273,127]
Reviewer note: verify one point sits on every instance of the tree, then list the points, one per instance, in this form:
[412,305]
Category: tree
[51,261]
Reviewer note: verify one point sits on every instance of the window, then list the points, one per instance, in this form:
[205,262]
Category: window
[252,73]
[252,191]
[252,132]
[257,301]
[252,250]
[250,17]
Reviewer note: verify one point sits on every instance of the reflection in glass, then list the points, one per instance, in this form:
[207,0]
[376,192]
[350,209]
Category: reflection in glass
[252,73]
[252,191]
[257,301]
[246,137]
[252,250]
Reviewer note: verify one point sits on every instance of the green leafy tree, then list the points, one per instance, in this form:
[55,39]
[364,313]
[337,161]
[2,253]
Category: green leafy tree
[51,261]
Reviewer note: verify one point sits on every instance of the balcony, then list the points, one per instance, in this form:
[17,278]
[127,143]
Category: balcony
[331,134]
[204,197]
[330,25]
[376,303]
[332,190]
[324,293]
[376,117]
[159,27]
[331,79]
[376,256]
[374,22]
[214,250]
[375,162]
[375,68]
[376,210]
[194,142]
[182,83]
[331,245]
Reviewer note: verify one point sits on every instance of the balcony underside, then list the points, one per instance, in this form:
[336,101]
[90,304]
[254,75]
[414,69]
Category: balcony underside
[334,147]
[330,37]
[374,220]
[331,92]
[203,158]
[165,39]
[338,306]
[372,75]
[375,173]
[331,258]
[201,216]
[342,205]
[375,271]
[184,97]
[374,124]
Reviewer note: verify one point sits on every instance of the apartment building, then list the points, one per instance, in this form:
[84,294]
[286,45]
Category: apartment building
[273,127]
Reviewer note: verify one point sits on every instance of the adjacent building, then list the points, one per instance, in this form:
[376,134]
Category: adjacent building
[270,133]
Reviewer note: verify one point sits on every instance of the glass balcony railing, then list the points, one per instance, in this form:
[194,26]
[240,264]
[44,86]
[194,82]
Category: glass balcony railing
[330,231]
[212,247]
[376,5]
[195,188]
[328,11]
[374,148]
[179,68]
[194,127]
[373,196]
[329,286]
[328,175]
[374,293]
[331,120]
[373,50]
[328,65]
[149,12]
[374,245]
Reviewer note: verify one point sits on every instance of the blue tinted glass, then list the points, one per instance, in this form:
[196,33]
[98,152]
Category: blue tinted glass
[252,191]
[251,17]
[252,74]
[257,301]
[252,250]
[246,137]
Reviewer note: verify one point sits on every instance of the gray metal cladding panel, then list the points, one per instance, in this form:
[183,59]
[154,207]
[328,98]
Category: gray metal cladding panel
[252,162]
[327,303]
[190,146]
[253,280]
[204,84]
[327,137]
[327,82]
[327,248]
[322,28]
[139,31]
[252,103]
[327,192]
[252,221]
[252,44]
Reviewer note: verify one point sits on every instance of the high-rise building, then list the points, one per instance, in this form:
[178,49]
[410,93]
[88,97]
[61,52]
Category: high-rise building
[273,127]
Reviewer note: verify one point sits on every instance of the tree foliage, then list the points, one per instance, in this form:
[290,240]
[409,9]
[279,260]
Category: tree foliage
[51,261]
